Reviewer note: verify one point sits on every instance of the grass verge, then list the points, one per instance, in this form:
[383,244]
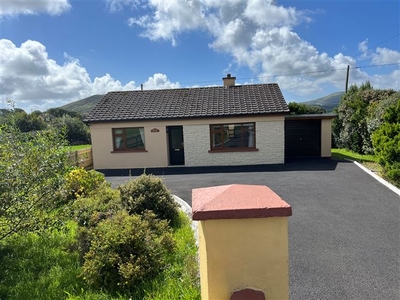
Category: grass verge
[350,155]
[45,267]
[368,161]
[80,147]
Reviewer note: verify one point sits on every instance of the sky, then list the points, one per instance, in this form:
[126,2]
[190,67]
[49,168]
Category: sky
[53,52]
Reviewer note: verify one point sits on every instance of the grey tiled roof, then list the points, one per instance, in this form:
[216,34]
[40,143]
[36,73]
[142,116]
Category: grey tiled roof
[217,101]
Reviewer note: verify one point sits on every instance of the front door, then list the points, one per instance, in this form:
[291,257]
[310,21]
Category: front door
[176,153]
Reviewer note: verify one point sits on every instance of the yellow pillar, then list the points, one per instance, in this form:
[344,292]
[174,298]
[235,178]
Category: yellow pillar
[243,241]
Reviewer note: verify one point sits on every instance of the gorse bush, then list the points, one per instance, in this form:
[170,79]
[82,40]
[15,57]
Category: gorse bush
[148,193]
[126,250]
[96,206]
[99,205]
[79,182]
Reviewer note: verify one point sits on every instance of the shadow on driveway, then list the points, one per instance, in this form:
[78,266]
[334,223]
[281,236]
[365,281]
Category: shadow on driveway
[305,164]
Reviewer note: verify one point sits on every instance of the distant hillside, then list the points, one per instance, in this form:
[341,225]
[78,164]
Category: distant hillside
[83,106]
[328,102]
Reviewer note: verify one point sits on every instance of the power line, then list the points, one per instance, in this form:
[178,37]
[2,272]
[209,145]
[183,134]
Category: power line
[296,74]
[380,43]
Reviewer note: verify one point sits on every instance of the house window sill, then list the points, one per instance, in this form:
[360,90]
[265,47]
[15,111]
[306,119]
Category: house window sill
[129,151]
[233,150]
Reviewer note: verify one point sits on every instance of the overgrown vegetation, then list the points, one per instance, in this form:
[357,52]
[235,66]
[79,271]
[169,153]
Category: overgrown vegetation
[368,123]
[32,170]
[65,233]
[76,131]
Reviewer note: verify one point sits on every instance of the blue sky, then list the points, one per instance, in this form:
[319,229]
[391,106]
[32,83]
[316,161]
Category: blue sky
[54,52]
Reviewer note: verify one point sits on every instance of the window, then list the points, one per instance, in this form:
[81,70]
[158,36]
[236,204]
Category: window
[233,136]
[128,138]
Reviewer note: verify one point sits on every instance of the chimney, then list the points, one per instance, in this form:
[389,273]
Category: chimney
[229,81]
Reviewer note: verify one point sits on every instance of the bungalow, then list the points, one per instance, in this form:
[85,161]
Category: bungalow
[207,126]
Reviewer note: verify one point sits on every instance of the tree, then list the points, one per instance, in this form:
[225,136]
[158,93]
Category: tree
[350,128]
[28,122]
[303,109]
[76,132]
[32,170]
[60,112]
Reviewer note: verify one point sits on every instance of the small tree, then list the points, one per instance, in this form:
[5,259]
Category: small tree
[32,168]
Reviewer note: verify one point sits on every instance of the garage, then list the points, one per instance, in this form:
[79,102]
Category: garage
[308,136]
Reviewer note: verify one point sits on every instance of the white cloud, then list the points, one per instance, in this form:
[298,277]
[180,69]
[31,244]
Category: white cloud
[159,81]
[32,79]
[363,48]
[170,18]
[117,5]
[259,34]
[385,56]
[23,7]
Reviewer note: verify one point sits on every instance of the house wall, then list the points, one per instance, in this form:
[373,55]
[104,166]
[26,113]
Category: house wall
[269,141]
[326,137]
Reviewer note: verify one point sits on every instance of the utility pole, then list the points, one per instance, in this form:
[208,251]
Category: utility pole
[347,77]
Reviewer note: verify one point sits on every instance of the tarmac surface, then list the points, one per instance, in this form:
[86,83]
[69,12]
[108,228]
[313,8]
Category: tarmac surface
[344,234]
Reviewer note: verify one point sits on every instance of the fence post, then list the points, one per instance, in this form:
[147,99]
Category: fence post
[243,242]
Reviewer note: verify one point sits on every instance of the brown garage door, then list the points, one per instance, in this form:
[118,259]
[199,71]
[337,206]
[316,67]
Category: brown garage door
[302,138]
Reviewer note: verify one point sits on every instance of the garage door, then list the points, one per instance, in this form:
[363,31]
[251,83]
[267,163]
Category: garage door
[302,138]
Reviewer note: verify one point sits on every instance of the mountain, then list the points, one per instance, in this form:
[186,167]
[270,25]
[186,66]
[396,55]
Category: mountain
[329,102]
[83,106]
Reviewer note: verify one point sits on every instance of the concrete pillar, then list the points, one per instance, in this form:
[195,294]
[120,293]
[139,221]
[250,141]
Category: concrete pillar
[243,242]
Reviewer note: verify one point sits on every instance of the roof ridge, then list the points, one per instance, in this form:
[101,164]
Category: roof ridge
[215,101]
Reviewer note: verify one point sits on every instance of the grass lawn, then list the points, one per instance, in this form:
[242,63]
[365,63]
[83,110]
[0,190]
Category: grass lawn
[79,147]
[350,155]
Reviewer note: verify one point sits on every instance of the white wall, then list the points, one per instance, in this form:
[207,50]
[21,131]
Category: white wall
[269,141]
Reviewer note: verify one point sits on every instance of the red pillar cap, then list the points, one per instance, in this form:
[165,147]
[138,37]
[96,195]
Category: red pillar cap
[237,201]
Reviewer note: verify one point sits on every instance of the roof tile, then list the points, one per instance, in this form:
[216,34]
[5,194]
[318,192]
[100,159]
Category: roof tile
[190,103]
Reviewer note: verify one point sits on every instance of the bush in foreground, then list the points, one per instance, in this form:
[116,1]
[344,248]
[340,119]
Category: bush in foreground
[79,182]
[148,192]
[126,250]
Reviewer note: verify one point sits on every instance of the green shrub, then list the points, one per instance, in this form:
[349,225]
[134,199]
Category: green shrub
[126,250]
[79,182]
[96,206]
[386,143]
[148,192]
[100,204]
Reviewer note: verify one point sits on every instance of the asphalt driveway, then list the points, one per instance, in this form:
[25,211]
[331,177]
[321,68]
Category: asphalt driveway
[344,234]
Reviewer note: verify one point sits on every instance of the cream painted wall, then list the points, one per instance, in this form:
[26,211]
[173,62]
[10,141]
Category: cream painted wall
[244,253]
[269,140]
[102,148]
[326,137]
